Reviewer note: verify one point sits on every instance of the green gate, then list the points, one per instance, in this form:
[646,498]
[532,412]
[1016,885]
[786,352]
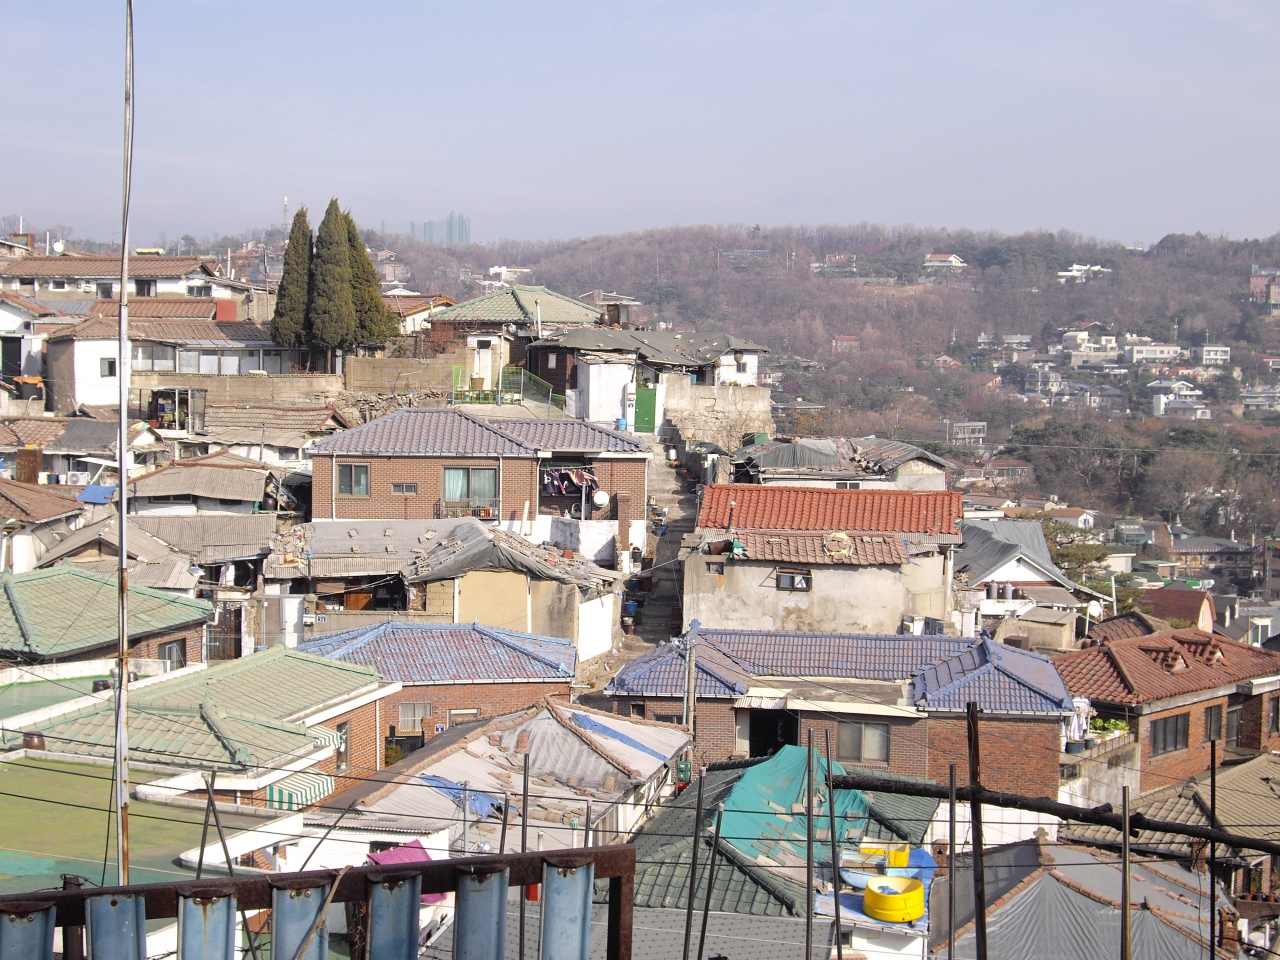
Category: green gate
[646,409]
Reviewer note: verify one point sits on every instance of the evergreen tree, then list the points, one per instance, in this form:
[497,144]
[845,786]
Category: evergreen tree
[331,315]
[374,322]
[289,323]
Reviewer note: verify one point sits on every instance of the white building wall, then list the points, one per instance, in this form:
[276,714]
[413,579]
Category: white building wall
[606,387]
[595,626]
[727,370]
[90,385]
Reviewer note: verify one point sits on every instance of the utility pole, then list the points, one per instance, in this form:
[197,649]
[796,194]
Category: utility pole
[1125,952]
[691,677]
[951,870]
[808,848]
[1213,847]
[975,817]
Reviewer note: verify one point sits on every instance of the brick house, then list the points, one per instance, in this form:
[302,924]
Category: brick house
[1178,690]
[284,729]
[64,613]
[812,558]
[890,703]
[440,462]
[452,673]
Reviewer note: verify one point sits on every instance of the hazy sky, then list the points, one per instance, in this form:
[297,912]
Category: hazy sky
[1122,120]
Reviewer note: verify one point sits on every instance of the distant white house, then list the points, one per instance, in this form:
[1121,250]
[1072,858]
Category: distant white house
[1151,352]
[1211,354]
[944,262]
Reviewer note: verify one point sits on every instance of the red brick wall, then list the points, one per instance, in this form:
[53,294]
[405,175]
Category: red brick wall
[519,483]
[908,742]
[193,642]
[365,745]
[492,699]
[1162,769]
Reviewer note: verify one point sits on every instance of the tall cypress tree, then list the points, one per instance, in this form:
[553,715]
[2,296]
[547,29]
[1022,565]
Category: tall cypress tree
[289,322]
[374,322]
[330,312]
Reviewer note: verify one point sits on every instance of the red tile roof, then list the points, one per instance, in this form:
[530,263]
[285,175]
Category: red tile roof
[168,331]
[817,548]
[29,503]
[1168,603]
[816,508]
[27,304]
[1127,625]
[150,308]
[1142,669]
[107,266]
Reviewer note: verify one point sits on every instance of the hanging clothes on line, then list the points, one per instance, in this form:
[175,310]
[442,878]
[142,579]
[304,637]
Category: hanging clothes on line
[564,482]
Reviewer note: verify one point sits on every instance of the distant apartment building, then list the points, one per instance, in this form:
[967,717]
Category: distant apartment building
[1271,565]
[963,433]
[1151,352]
[1043,380]
[1211,354]
[1014,341]
[841,344]
[1261,399]
[1008,471]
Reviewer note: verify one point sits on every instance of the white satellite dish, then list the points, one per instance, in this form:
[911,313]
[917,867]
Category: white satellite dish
[600,498]
[59,246]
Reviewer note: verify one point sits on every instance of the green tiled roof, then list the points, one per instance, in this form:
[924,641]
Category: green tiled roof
[237,715]
[515,304]
[62,610]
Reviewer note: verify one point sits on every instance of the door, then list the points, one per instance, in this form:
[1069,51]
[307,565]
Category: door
[10,358]
[771,730]
[646,409]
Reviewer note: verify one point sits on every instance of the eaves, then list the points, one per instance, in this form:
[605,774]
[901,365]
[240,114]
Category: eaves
[344,703]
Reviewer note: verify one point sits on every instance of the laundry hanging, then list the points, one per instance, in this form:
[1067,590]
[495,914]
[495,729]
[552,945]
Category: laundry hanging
[568,482]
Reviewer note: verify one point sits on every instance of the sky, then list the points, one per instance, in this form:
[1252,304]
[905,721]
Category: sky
[538,120]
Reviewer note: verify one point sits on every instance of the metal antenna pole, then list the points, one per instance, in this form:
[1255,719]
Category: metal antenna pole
[122,443]
[1125,953]
[835,846]
[711,879]
[808,847]
[1213,847]
[693,867]
[951,870]
[524,842]
[975,815]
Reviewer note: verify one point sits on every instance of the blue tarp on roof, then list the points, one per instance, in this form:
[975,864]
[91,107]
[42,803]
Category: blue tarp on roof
[478,803]
[97,494]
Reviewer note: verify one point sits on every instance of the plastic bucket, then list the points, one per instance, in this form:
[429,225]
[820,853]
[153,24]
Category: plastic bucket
[622,423]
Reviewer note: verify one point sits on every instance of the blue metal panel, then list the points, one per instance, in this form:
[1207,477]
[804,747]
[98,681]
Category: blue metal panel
[566,911]
[207,928]
[394,906]
[293,916]
[116,927]
[26,931]
[481,922]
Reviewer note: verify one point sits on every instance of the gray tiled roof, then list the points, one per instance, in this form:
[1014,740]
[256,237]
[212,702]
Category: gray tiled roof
[437,432]
[570,436]
[947,672]
[448,653]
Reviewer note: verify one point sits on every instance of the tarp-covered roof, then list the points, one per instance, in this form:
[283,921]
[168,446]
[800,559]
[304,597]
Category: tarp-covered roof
[990,544]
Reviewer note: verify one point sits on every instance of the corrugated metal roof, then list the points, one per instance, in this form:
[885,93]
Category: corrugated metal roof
[29,503]
[947,672]
[449,653]
[815,508]
[660,348]
[240,714]
[522,304]
[570,436]
[213,539]
[424,433]
[219,483]
[142,545]
[199,332]
[63,610]
[314,419]
[150,308]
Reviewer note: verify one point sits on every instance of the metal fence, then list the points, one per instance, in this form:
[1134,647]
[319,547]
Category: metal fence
[110,922]
[515,385]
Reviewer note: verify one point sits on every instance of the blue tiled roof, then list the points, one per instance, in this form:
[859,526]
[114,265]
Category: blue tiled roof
[448,652]
[947,672]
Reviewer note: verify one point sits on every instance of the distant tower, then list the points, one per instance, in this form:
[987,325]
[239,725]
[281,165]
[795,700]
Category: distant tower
[284,216]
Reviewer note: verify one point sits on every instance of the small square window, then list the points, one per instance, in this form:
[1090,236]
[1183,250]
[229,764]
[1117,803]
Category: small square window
[353,479]
[637,709]
[668,718]
[716,567]
[799,581]
[551,361]
[174,654]
[405,489]
[862,742]
[412,715]
[144,288]
[57,284]
[107,367]
[1213,722]
[105,290]
[342,754]
[742,366]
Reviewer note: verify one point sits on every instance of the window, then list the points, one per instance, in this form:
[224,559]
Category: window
[463,716]
[144,288]
[174,654]
[152,357]
[353,479]
[204,290]
[862,742]
[551,361]
[57,284]
[667,717]
[342,753]
[637,709]
[273,361]
[171,498]
[742,366]
[107,367]
[848,484]
[470,491]
[715,567]
[1169,734]
[1235,717]
[1213,723]
[795,580]
[405,489]
[105,290]
[1273,715]
[412,715]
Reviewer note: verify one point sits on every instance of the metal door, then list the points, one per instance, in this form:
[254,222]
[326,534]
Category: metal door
[646,409]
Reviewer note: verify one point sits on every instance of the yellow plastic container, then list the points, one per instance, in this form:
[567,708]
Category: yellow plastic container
[896,854]
[894,899]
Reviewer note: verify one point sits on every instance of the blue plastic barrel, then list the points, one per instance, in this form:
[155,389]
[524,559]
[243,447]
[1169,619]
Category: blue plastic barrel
[622,423]
[630,608]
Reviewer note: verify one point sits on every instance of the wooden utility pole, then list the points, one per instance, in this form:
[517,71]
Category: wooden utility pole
[975,817]
[1125,952]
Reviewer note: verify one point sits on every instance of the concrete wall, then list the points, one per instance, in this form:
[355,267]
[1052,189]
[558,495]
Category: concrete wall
[604,390]
[1101,773]
[496,598]
[90,385]
[721,414]
[595,626]
[844,599]
[387,375]
[727,370]
[248,388]
[594,539]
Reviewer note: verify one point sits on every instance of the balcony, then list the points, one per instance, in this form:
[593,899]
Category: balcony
[484,509]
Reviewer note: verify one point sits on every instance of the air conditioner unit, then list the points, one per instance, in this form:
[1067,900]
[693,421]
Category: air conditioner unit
[79,479]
